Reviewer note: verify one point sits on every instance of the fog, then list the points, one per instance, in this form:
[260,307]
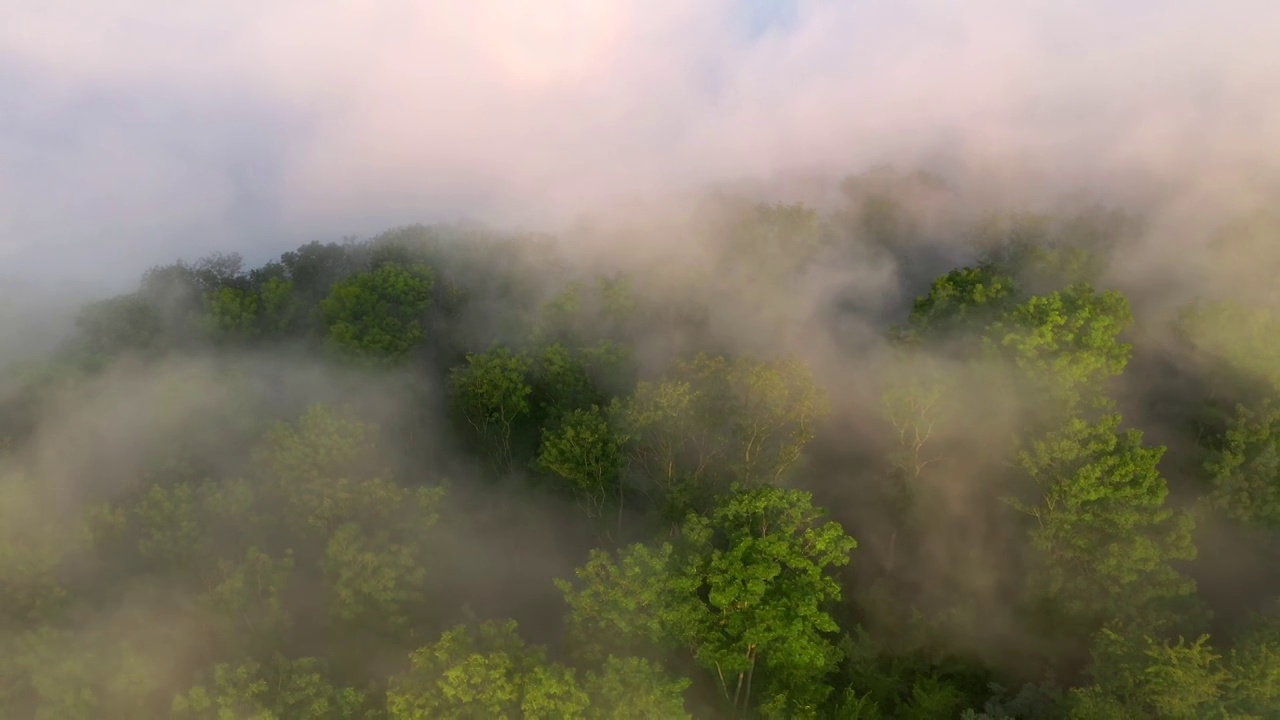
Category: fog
[632,138]
[137,133]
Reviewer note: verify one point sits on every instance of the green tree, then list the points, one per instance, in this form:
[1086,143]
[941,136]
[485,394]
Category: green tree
[283,689]
[565,379]
[123,324]
[1105,536]
[327,469]
[369,537]
[634,689]
[247,599]
[715,421]
[490,393]
[85,674]
[1244,467]
[245,313]
[746,590]
[485,672]
[33,553]
[1137,676]
[586,452]
[234,312]
[1235,335]
[961,303]
[1254,667]
[379,315]
[1066,344]
[373,579]
[169,526]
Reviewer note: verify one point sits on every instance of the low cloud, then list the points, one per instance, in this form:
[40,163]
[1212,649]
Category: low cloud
[145,132]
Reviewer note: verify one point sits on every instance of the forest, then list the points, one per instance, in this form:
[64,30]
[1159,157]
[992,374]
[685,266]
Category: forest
[878,456]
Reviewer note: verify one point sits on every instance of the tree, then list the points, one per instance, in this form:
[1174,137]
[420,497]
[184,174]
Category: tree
[379,315]
[1137,676]
[1244,467]
[283,689]
[33,553]
[583,314]
[111,670]
[715,421]
[109,328]
[1238,336]
[1066,344]
[1063,344]
[373,579]
[491,395]
[485,672]
[634,689]
[170,530]
[369,537]
[244,313]
[561,383]
[233,312]
[962,302]
[1254,668]
[586,452]
[246,598]
[315,268]
[1105,537]
[745,590]
[326,469]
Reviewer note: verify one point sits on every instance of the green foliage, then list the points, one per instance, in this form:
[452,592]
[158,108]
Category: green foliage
[564,379]
[1240,336]
[488,672]
[379,315]
[634,689]
[127,323]
[247,598]
[1105,537]
[1245,467]
[586,453]
[584,314]
[716,421]
[963,301]
[1136,676]
[908,675]
[491,395]
[32,554]
[745,589]
[169,531]
[281,690]
[1066,343]
[207,580]
[374,579]
[61,675]
[1254,668]
[248,313]
[233,311]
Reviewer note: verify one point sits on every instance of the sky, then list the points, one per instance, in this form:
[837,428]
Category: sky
[135,132]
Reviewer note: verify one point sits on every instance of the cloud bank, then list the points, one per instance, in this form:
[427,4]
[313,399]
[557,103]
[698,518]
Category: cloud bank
[139,132]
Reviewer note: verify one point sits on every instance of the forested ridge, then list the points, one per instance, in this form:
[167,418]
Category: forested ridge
[452,472]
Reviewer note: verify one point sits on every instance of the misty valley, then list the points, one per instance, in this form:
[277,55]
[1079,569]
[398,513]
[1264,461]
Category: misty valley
[883,455]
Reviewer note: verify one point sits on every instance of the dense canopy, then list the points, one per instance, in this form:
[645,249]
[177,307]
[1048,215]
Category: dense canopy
[451,473]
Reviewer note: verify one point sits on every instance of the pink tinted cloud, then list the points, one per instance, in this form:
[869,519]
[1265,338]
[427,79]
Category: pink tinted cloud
[538,111]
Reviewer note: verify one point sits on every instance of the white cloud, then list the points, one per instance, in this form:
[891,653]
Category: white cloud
[374,111]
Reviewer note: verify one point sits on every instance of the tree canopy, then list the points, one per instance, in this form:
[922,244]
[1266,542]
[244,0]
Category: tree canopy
[448,472]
